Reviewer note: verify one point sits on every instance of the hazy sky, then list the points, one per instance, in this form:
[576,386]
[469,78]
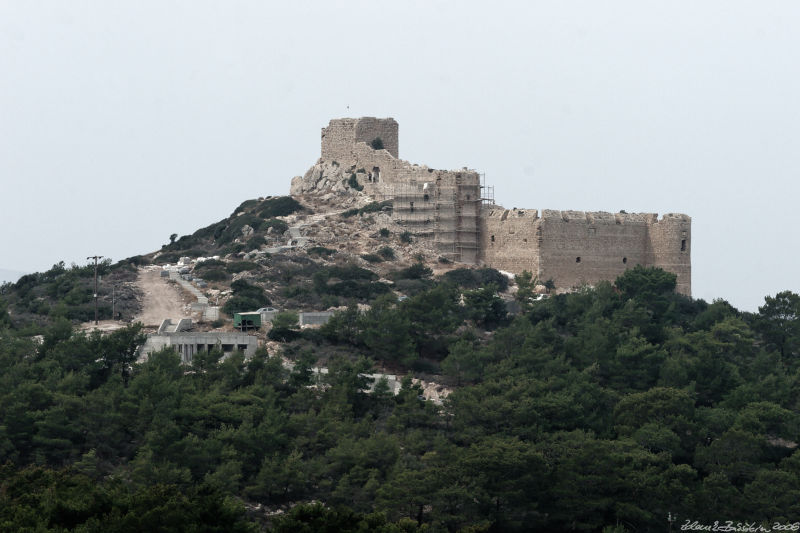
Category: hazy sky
[124,122]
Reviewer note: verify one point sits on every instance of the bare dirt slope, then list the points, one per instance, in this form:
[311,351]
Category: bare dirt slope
[161,299]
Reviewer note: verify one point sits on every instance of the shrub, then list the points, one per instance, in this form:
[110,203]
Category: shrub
[386,252]
[215,274]
[235,226]
[372,258]
[233,248]
[384,232]
[239,304]
[241,266]
[352,182]
[209,263]
[415,271]
[377,143]
[137,260]
[321,251]
[280,206]
[351,272]
[405,237]
[211,232]
[256,242]
[284,327]
[241,287]
[247,204]
[372,207]
[278,226]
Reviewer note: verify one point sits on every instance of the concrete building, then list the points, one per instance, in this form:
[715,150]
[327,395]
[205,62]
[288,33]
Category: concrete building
[187,343]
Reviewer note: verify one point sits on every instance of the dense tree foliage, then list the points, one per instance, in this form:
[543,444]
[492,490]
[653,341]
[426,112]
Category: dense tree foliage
[611,407]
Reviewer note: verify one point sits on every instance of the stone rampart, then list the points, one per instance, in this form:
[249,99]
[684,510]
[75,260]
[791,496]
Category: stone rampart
[509,239]
[583,248]
[574,248]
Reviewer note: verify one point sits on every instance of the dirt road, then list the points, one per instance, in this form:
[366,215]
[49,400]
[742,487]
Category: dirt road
[161,299]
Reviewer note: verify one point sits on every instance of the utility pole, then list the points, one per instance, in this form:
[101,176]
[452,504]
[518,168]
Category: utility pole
[95,257]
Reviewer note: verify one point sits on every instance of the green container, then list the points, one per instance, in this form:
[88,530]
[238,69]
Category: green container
[245,321]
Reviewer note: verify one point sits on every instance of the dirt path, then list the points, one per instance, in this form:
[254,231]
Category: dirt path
[161,299]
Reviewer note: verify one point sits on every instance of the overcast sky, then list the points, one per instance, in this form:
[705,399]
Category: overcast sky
[124,122]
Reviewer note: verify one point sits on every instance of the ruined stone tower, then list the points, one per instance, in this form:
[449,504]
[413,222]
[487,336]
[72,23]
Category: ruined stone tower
[444,207]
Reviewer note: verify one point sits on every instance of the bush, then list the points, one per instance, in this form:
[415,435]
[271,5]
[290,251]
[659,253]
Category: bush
[386,252]
[321,251]
[247,204]
[405,237]
[475,278]
[372,207]
[384,232]
[240,266]
[280,206]
[377,143]
[278,226]
[351,272]
[137,260]
[415,271]
[242,304]
[352,182]
[233,248]
[256,242]
[361,290]
[284,327]
[241,287]
[208,264]
[372,258]
[215,274]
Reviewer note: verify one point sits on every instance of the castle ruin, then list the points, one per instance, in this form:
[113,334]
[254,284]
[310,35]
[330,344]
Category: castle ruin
[447,209]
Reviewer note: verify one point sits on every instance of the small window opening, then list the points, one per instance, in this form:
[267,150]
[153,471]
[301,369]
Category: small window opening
[426,197]
[376,174]
[683,245]
[412,207]
[578,259]
[524,240]
[624,260]
[468,197]
[492,238]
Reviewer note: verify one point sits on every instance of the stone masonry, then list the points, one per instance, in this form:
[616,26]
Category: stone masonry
[445,207]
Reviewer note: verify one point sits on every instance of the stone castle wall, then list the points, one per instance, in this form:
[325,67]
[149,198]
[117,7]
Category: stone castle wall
[341,135]
[510,239]
[574,248]
[444,207]
[671,248]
